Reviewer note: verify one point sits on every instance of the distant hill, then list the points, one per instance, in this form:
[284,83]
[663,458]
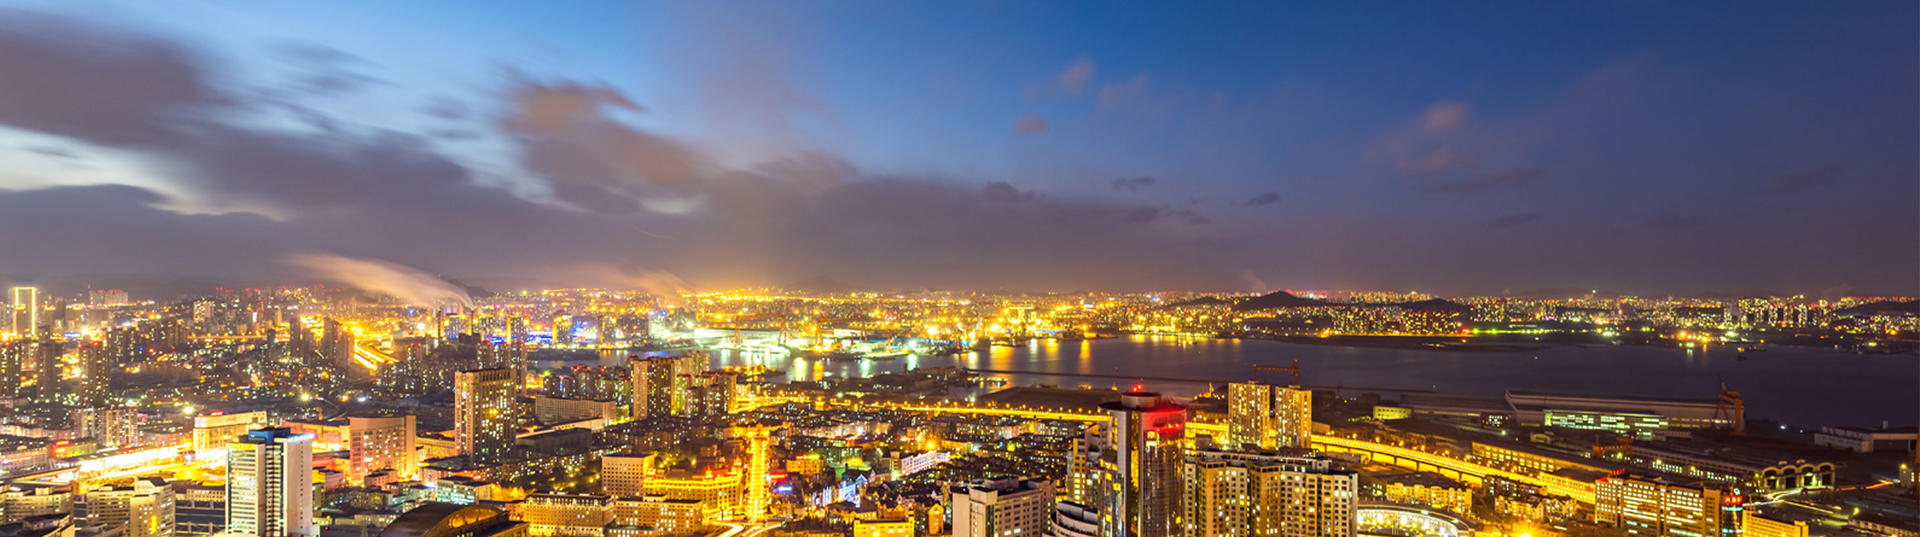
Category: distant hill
[1874,308]
[1276,299]
[1202,301]
[1433,304]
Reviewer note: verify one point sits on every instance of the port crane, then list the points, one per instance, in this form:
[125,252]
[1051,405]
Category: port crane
[1295,369]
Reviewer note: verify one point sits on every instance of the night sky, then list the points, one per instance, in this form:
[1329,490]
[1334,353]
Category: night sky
[1453,148]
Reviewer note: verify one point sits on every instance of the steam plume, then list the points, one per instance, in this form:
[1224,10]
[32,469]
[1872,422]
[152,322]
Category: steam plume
[407,284]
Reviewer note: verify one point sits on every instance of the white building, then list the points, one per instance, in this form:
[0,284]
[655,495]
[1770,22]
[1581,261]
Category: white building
[270,484]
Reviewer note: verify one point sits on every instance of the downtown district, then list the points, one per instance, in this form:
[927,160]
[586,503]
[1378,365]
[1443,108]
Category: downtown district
[317,411]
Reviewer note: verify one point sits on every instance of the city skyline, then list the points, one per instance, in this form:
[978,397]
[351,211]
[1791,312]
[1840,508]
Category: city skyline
[1702,149]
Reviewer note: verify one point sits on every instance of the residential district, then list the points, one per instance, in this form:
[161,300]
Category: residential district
[317,411]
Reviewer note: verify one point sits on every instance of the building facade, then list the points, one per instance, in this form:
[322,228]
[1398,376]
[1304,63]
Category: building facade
[270,484]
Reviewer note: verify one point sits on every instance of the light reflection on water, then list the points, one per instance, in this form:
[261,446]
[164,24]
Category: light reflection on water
[1799,385]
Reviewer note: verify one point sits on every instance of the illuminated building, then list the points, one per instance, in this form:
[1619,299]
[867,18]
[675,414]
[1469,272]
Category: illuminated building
[26,500]
[705,394]
[659,514]
[1001,507]
[454,520]
[270,484]
[652,379]
[111,426]
[143,508]
[1430,490]
[463,490]
[336,348]
[559,410]
[566,515]
[718,493]
[106,298]
[1145,435]
[886,527]
[1624,414]
[625,475]
[1071,519]
[1754,525]
[382,443]
[25,302]
[46,360]
[484,423]
[1661,505]
[1269,417]
[96,373]
[756,483]
[213,430]
[1234,493]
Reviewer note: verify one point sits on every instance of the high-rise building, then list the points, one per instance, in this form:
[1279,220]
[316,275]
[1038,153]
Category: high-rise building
[382,443]
[25,302]
[46,360]
[484,423]
[336,348]
[566,515]
[1001,507]
[1144,437]
[110,426]
[705,394]
[661,384]
[625,475]
[143,508]
[1247,494]
[96,373]
[270,484]
[1652,504]
[1268,417]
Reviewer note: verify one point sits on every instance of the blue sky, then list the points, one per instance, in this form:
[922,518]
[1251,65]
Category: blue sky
[1485,147]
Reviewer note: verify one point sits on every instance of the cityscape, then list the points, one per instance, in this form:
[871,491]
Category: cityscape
[606,269]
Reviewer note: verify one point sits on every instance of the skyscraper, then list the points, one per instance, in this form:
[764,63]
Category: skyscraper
[46,360]
[662,384]
[270,484]
[1002,507]
[96,372]
[1144,437]
[1232,493]
[381,443]
[1269,417]
[484,423]
[25,302]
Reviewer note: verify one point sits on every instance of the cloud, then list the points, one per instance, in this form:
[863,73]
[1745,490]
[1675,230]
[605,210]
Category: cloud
[1264,198]
[1440,161]
[1117,94]
[1030,125]
[1481,182]
[445,108]
[1442,116]
[592,160]
[1001,191]
[1798,180]
[407,284]
[1132,184]
[1071,81]
[1513,220]
[52,152]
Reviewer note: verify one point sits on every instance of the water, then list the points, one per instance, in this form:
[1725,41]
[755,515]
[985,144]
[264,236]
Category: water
[1801,386]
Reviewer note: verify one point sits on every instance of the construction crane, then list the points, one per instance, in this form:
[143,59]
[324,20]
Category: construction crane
[1295,369]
